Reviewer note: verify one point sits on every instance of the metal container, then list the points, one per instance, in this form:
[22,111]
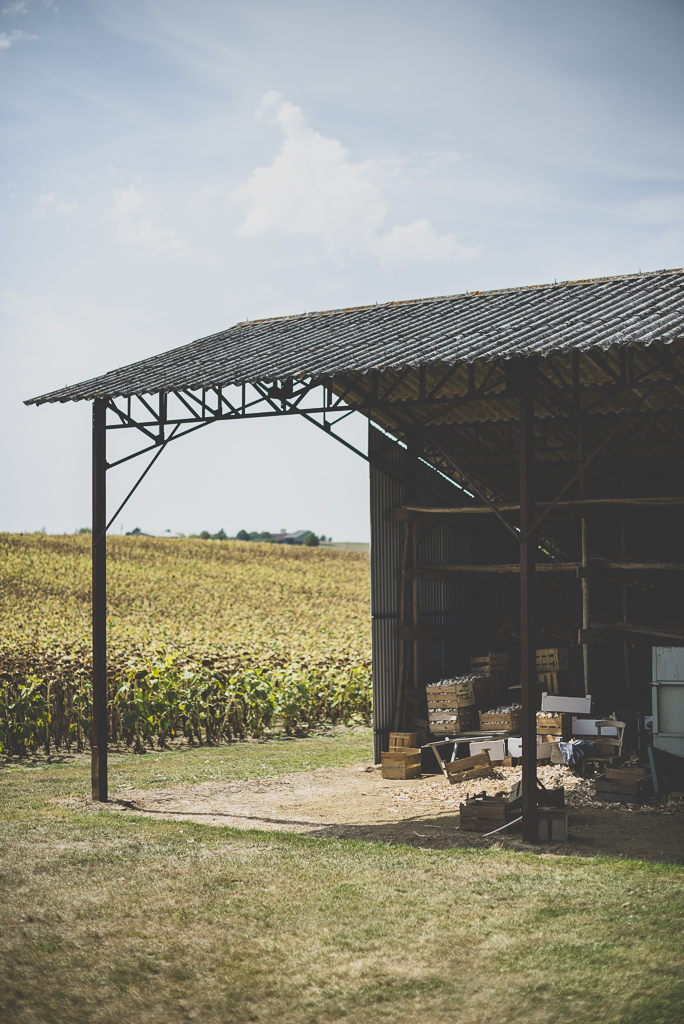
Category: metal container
[668,699]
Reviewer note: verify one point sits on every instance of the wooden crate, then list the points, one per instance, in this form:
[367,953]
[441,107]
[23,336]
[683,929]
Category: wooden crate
[627,774]
[448,723]
[495,661]
[477,767]
[548,725]
[510,721]
[559,684]
[458,695]
[552,659]
[620,791]
[401,764]
[484,813]
[400,740]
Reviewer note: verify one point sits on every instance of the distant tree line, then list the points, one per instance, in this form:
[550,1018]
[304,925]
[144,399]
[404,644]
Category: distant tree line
[305,537]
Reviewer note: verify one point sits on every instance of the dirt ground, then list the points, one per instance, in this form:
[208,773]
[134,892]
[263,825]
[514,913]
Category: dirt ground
[355,802]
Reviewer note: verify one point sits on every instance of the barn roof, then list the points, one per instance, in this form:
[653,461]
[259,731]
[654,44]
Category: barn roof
[598,313]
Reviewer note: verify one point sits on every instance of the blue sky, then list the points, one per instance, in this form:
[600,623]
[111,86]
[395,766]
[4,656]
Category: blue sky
[170,168]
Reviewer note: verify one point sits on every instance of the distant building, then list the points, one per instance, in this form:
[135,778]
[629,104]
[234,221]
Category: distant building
[347,545]
[291,538]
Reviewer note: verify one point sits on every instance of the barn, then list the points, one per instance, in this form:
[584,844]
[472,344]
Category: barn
[525,451]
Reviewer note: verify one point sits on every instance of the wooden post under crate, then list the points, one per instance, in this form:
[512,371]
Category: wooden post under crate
[552,825]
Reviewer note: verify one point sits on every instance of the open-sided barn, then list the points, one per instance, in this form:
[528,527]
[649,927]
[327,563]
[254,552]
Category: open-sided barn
[525,451]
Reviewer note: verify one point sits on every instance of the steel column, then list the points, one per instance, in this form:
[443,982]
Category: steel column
[99,731]
[528,676]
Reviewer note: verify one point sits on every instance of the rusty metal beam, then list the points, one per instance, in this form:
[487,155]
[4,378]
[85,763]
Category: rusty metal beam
[528,676]
[99,570]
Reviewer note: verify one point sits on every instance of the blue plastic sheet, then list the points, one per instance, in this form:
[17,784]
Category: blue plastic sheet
[574,752]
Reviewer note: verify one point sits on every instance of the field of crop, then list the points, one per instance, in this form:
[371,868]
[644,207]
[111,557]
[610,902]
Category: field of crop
[205,638]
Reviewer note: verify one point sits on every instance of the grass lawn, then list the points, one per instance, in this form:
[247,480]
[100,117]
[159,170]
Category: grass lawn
[126,919]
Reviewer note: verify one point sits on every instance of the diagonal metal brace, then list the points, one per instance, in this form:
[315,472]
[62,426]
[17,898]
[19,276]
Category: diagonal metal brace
[139,481]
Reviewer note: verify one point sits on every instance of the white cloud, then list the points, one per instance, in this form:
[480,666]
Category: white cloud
[19,7]
[418,242]
[8,39]
[312,188]
[47,203]
[133,227]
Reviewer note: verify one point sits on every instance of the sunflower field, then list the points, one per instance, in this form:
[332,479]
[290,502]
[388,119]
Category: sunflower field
[210,640]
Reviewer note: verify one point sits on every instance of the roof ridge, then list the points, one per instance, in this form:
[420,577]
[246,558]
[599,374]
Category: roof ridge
[452,295]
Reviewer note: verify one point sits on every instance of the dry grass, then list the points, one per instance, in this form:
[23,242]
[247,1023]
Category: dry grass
[112,919]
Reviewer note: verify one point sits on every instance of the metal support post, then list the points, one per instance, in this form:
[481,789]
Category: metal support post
[528,676]
[625,607]
[586,607]
[413,453]
[99,731]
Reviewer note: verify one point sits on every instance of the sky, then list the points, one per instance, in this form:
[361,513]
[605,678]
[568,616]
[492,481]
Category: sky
[170,168]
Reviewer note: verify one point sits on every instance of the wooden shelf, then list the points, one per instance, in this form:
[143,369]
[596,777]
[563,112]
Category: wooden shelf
[602,632]
[413,513]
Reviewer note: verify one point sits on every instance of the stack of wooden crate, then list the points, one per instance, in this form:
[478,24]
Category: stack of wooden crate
[490,687]
[403,759]
[553,672]
[451,707]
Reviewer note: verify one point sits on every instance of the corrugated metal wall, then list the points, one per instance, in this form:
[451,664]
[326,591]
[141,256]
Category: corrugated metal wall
[442,602]
[386,492]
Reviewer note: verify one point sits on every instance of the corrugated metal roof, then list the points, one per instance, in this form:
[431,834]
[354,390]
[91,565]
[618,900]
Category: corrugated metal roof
[630,309]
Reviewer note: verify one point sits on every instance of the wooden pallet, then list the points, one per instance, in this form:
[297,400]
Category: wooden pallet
[559,684]
[552,659]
